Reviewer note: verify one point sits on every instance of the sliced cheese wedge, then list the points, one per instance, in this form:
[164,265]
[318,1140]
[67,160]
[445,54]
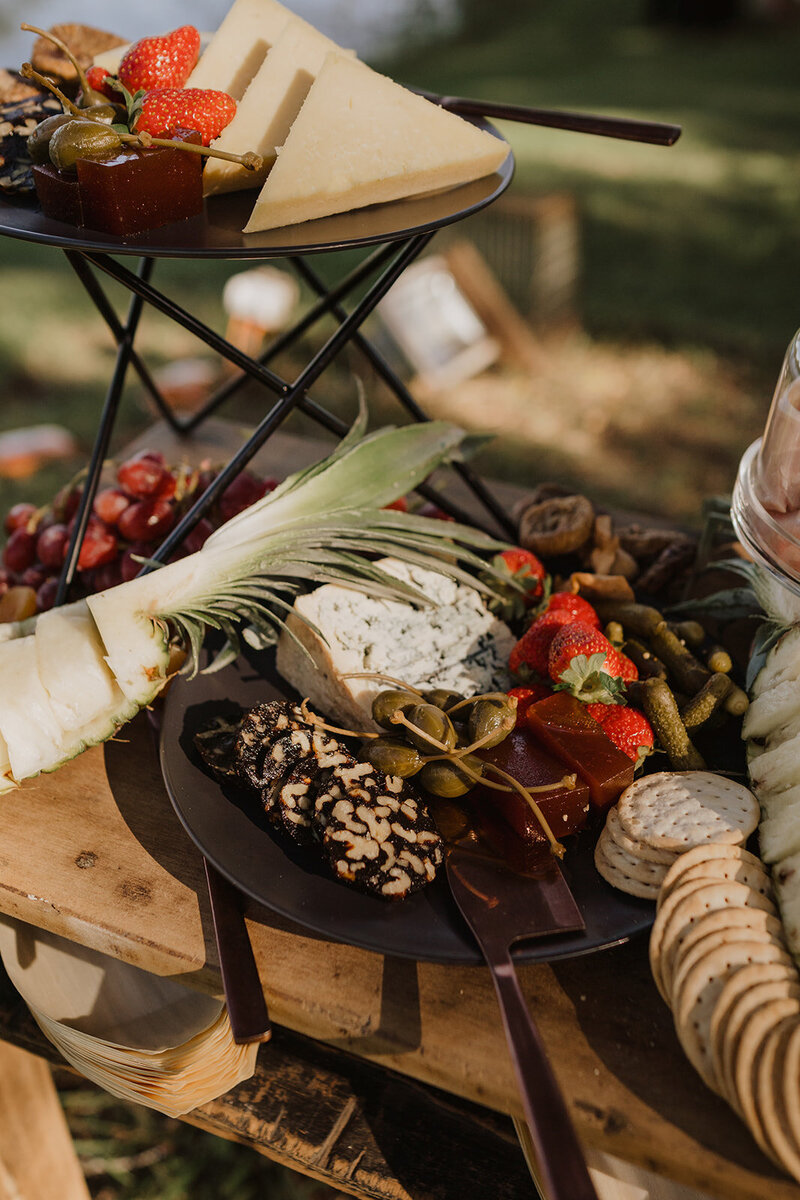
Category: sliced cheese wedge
[360,139]
[269,107]
[239,47]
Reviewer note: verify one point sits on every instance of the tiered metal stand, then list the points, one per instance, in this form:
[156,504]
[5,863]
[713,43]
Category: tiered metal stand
[398,231]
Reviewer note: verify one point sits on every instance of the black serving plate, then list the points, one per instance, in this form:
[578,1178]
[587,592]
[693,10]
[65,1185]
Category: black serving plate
[232,832]
[216,232]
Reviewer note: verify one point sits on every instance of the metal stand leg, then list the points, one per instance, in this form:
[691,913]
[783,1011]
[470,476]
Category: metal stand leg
[388,263]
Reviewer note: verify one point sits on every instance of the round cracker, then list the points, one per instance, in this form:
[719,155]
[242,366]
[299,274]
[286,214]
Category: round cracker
[741,945]
[621,881]
[679,810]
[751,874]
[756,1031]
[755,984]
[758,923]
[790,1086]
[759,998]
[689,902]
[635,868]
[778,1140]
[696,995]
[638,849]
[705,853]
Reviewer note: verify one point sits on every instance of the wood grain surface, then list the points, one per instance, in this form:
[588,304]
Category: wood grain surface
[94,852]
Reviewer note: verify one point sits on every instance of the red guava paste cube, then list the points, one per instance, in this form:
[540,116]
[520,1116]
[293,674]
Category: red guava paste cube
[562,725]
[142,189]
[59,194]
[565,809]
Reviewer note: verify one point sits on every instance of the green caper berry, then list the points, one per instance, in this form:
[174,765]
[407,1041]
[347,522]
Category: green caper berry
[39,141]
[448,779]
[81,138]
[388,702]
[491,716]
[442,698]
[108,113]
[432,728]
[393,756]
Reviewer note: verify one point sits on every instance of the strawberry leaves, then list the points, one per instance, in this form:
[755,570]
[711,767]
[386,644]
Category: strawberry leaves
[587,680]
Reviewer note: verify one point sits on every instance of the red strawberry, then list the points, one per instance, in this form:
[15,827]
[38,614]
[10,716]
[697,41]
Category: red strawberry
[526,696]
[202,109]
[582,661]
[532,648]
[161,62]
[628,729]
[514,570]
[620,665]
[96,78]
[578,608]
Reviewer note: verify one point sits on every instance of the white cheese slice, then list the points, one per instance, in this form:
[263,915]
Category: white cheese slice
[782,665]
[455,643]
[110,59]
[360,139]
[269,107]
[772,710]
[239,47]
[779,831]
[786,881]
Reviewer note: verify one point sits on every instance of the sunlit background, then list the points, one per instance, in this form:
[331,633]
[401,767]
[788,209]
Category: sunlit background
[652,293]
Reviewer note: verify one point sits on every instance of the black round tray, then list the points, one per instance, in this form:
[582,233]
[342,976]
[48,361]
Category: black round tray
[231,830]
[216,232]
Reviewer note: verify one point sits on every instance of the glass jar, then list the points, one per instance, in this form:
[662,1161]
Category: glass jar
[766,498]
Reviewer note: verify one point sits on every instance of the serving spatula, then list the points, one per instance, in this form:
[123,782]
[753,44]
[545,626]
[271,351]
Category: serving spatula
[502,907]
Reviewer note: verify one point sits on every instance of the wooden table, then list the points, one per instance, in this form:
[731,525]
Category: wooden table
[408,1063]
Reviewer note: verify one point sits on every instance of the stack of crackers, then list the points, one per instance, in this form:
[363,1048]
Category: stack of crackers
[720,961]
[662,816]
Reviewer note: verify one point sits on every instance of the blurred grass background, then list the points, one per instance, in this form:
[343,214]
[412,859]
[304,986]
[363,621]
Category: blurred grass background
[690,260]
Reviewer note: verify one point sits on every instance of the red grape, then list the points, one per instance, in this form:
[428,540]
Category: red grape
[168,487]
[19,516]
[142,476]
[66,502]
[198,537]
[106,576]
[51,545]
[46,594]
[155,455]
[240,494]
[433,510]
[110,504]
[20,550]
[147,520]
[33,576]
[99,546]
[129,568]
[5,580]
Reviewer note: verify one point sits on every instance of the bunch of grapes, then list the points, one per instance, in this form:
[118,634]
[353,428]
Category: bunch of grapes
[128,521]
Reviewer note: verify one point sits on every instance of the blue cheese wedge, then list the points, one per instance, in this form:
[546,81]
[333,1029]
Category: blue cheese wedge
[453,643]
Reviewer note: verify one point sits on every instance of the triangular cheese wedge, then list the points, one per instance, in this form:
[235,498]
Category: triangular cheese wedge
[239,47]
[269,106]
[359,139]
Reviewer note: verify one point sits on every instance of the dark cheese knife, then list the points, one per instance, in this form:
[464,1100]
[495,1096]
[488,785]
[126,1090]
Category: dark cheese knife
[502,907]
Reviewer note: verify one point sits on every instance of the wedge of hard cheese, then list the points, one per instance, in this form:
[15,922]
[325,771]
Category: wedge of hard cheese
[269,106]
[455,643]
[239,47]
[359,139]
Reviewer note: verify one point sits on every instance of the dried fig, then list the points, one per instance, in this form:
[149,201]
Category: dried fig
[557,526]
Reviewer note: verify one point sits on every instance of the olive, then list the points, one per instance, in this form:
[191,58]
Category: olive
[449,779]
[431,726]
[491,716]
[393,756]
[108,113]
[443,698]
[39,140]
[81,139]
[387,702]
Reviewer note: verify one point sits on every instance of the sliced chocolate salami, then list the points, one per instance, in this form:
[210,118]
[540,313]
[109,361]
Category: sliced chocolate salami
[383,841]
[261,727]
[216,745]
